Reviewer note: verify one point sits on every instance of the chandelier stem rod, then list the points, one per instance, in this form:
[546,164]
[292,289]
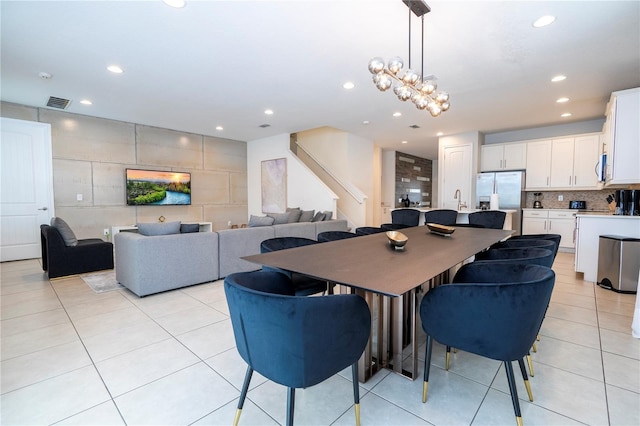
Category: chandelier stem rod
[422,51]
[409,35]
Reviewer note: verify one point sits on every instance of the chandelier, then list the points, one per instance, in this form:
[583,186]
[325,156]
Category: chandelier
[419,88]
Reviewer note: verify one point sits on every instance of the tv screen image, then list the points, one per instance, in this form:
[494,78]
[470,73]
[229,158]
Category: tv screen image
[154,187]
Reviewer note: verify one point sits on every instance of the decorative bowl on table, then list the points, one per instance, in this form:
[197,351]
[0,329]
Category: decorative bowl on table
[438,229]
[397,239]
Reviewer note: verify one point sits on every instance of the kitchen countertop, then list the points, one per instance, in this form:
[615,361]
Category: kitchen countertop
[463,211]
[607,215]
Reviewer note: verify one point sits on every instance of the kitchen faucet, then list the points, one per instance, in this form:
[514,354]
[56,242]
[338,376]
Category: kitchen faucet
[458,196]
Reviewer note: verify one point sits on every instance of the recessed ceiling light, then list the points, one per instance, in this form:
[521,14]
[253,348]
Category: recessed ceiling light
[566,114]
[175,3]
[115,69]
[348,85]
[543,21]
[404,142]
[562,100]
[439,134]
[268,111]
[219,128]
[559,77]
[86,102]
[366,122]
[397,114]
[44,75]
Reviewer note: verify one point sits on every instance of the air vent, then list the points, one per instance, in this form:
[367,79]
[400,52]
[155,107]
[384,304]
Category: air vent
[264,125]
[58,102]
[414,126]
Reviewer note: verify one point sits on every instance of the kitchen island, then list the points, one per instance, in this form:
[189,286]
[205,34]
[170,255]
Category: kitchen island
[589,228]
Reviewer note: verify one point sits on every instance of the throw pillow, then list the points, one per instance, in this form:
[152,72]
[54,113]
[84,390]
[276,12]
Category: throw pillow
[279,218]
[306,215]
[319,217]
[294,215]
[187,228]
[65,231]
[327,215]
[260,221]
[153,229]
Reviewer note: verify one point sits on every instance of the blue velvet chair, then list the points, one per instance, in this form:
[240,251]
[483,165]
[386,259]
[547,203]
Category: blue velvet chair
[553,237]
[492,310]
[441,217]
[304,285]
[525,243]
[325,237]
[368,230]
[493,219]
[402,218]
[530,255]
[294,341]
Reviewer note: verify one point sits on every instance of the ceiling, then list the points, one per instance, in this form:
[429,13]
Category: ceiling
[222,63]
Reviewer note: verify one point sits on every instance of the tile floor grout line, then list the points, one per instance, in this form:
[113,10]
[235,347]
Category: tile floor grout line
[604,372]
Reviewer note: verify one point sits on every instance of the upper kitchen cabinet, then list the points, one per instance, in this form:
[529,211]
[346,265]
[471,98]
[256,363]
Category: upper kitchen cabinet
[622,137]
[565,163]
[538,165]
[511,156]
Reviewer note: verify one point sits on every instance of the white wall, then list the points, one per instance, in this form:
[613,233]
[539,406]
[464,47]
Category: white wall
[388,184]
[304,189]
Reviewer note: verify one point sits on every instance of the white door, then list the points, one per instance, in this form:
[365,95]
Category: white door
[26,200]
[456,175]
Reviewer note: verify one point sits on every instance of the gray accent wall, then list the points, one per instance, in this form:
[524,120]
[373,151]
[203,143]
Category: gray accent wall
[575,128]
[90,156]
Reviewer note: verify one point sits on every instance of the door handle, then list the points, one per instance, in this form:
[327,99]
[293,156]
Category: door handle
[43,208]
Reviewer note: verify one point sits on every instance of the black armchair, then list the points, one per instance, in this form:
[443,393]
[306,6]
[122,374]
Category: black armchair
[59,260]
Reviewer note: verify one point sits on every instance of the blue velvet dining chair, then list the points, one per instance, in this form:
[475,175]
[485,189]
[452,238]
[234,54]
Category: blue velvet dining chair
[325,237]
[441,217]
[530,255]
[402,218]
[292,340]
[304,285]
[553,237]
[493,219]
[526,243]
[492,310]
[368,230]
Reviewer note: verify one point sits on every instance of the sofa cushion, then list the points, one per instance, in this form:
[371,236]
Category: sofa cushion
[319,217]
[327,215]
[151,229]
[187,228]
[65,231]
[255,221]
[294,215]
[306,215]
[279,218]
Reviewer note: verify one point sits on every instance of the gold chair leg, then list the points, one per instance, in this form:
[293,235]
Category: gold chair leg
[447,361]
[533,347]
[357,414]
[519,421]
[530,362]
[425,388]
[538,337]
[529,392]
[237,418]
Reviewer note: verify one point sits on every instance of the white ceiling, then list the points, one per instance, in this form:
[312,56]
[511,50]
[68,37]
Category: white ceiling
[225,62]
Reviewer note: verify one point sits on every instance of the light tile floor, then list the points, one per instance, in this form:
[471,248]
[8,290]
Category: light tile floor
[73,357]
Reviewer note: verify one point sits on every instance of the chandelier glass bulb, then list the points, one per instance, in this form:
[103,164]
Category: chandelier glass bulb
[409,85]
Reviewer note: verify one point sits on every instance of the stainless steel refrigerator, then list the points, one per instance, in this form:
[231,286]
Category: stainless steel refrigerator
[510,189]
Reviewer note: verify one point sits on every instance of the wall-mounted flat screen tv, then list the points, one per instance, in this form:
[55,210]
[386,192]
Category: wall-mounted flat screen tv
[153,187]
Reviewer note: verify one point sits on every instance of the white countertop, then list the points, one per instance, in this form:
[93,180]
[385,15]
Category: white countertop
[607,215]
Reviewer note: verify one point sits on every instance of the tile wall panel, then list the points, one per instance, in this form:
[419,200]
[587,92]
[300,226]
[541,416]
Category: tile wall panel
[89,222]
[221,215]
[190,213]
[80,137]
[19,112]
[70,178]
[413,177]
[225,154]
[208,187]
[162,147]
[109,184]
[238,188]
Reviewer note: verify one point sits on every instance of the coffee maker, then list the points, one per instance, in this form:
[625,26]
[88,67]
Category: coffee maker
[537,204]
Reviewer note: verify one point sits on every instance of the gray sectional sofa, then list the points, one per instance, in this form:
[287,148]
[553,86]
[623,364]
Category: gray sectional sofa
[152,264]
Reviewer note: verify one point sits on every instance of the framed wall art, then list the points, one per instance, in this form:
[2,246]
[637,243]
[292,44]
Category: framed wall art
[274,185]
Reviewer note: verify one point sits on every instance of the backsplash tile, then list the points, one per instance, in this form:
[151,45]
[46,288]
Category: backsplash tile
[596,200]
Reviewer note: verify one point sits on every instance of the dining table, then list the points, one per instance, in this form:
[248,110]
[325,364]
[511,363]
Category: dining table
[391,280]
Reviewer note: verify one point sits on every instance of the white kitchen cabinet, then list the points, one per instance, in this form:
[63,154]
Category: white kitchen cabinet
[622,133]
[538,164]
[547,221]
[510,156]
[574,162]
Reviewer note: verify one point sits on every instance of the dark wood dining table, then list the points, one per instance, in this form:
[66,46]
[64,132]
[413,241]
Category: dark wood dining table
[389,279]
